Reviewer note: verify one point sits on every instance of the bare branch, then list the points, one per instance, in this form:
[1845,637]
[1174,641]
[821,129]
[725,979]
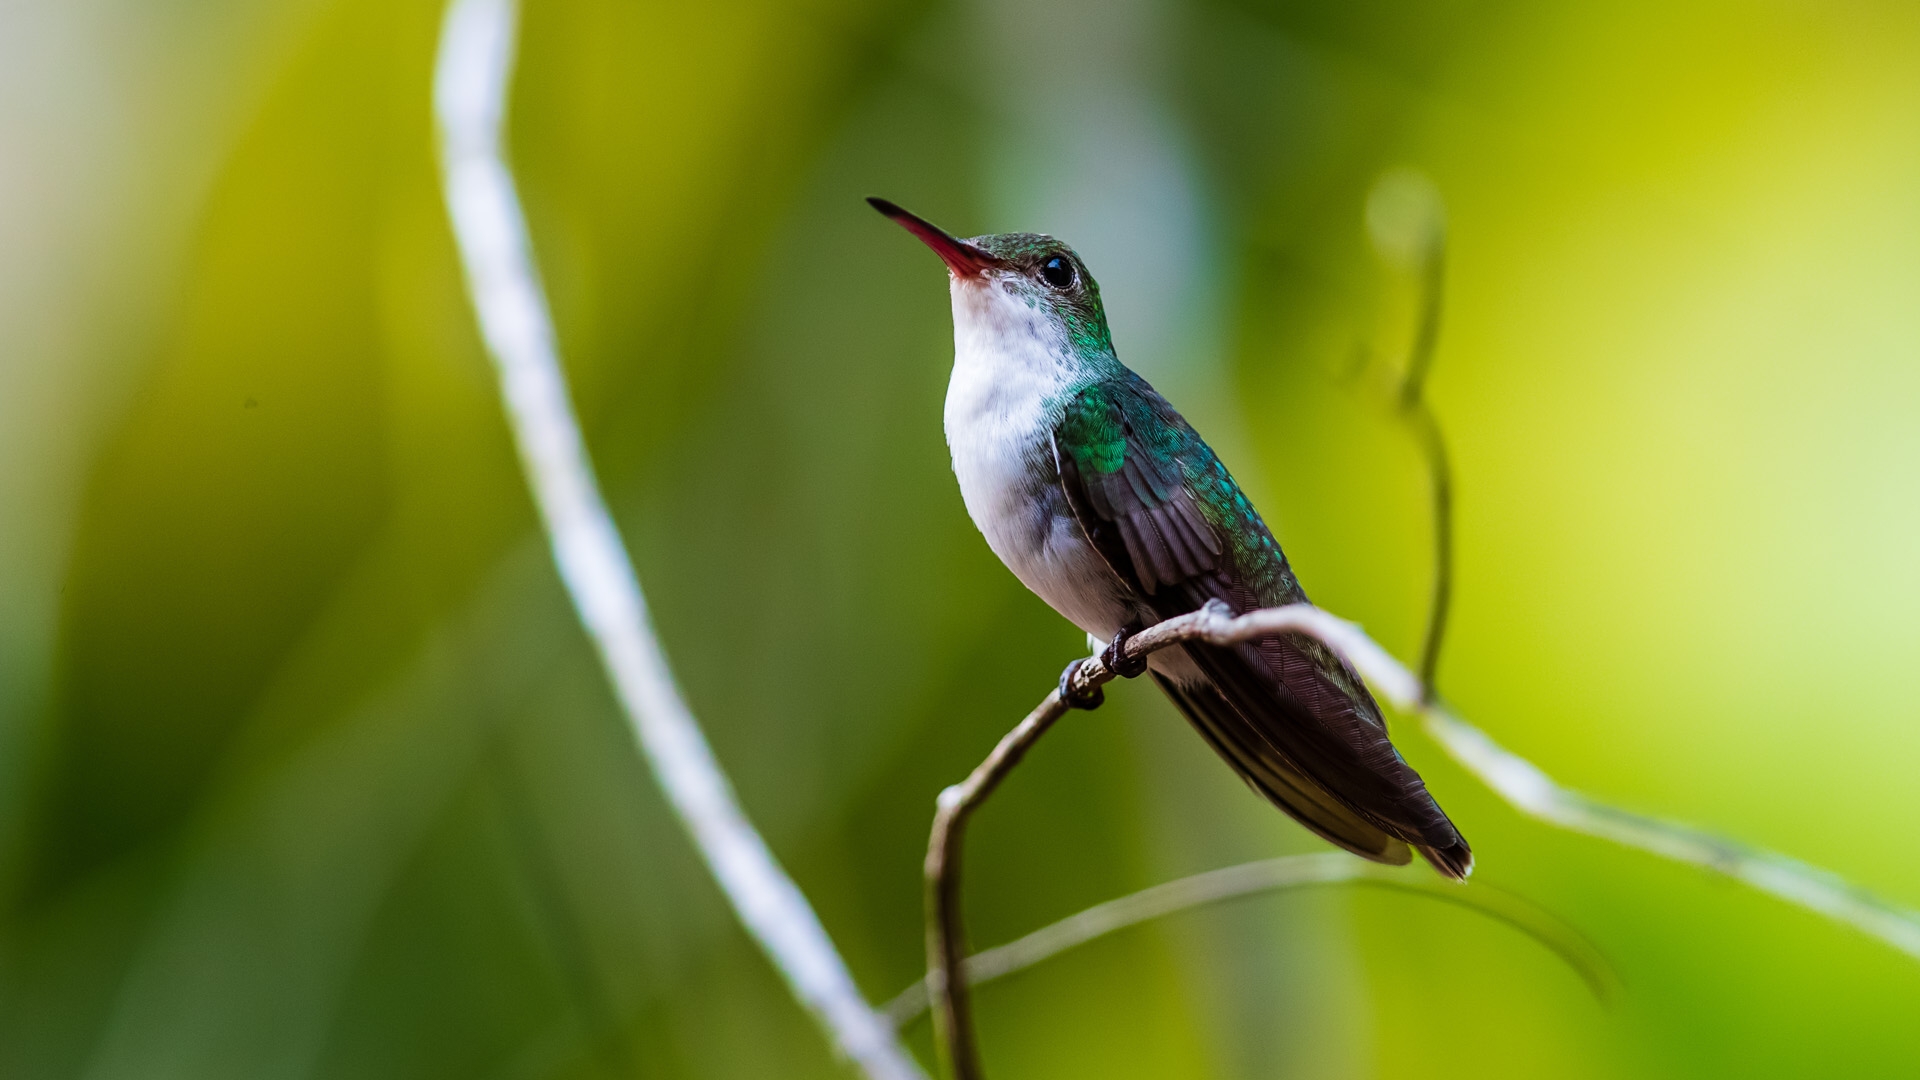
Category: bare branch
[470,87]
[946,931]
[1515,779]
[1533,792]
[1407,219]
[1426,428]
[1248,879]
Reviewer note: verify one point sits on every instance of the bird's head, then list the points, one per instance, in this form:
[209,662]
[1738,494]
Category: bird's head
[1016,283]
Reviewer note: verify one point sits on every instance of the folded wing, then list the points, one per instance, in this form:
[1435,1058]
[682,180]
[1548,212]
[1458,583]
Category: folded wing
[1287,713]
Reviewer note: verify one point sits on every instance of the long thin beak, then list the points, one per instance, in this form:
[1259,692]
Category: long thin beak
[962,258]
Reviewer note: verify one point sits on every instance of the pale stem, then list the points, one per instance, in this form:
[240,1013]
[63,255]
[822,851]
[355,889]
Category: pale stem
[1513,778]
[1419,416]
[471,78]
[1285,872]
[946,932]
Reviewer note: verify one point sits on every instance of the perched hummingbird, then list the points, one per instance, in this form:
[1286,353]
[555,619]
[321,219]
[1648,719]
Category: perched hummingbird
[1107,504]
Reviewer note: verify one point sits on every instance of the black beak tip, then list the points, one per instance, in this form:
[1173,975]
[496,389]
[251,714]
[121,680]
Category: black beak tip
[962,258]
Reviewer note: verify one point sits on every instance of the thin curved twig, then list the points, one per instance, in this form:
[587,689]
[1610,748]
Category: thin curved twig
[1426,429]
[1408,222]
[1249,879]
[1531,791]
[471,76]
[1524,786]
[946,931]
[1433,444]
[1518,781]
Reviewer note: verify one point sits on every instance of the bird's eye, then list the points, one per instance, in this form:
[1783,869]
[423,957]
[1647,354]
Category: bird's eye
[1057,272]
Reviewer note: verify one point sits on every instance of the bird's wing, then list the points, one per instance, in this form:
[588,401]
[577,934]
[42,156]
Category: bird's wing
[1287,713]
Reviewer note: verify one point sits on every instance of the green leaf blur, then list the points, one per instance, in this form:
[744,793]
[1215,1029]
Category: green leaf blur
[306,769]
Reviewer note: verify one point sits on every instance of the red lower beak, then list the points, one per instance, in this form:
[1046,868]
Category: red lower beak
[962,258]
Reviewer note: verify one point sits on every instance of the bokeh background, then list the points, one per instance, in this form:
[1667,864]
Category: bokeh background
[307,771]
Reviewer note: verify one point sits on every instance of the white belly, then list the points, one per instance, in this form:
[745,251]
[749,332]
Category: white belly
[1010,375]
[1014,497]
[1002,403]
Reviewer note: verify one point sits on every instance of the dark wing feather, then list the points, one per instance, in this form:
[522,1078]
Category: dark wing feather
[1218,722]
[1287,713]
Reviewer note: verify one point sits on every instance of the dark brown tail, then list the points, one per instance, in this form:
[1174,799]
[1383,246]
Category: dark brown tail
[1300,727]
[1269,774]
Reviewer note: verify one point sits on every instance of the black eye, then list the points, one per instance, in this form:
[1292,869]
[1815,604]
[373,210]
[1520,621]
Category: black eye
[1057,272]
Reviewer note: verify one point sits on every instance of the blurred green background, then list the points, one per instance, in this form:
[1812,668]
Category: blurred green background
[307,771]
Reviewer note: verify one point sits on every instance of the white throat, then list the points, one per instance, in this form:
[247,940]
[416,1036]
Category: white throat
[1009,359]
[1011,368]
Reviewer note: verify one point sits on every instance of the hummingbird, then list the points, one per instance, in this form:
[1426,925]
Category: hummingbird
[1105,502]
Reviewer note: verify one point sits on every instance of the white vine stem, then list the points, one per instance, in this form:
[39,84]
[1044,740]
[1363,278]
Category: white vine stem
[1520,782]
[471,77]
[1280,874]
[1532,792]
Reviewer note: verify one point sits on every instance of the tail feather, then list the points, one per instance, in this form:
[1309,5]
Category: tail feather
[1270,774]
[1302,730]
[1455,862]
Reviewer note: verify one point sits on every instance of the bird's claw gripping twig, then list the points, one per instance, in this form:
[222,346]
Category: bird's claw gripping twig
[1116,658]
[1091,698]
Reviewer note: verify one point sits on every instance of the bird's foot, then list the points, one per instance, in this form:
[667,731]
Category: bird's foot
[1115,657]
[1077,699]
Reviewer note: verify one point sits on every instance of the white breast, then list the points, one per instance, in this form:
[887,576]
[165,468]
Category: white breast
[1010,371]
